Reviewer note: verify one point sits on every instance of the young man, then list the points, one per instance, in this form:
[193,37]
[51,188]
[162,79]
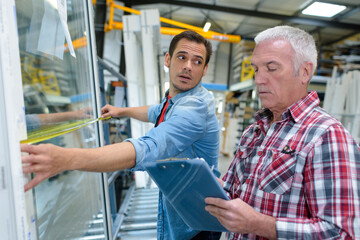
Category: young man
[296,172]
[186,126]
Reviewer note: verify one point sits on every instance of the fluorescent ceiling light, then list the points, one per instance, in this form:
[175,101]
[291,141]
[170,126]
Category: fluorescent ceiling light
[323,9]
[207,26]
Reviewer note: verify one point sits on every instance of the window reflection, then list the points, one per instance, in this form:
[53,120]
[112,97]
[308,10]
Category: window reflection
[57,86]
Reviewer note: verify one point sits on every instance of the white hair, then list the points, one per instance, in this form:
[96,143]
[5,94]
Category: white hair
[302,43]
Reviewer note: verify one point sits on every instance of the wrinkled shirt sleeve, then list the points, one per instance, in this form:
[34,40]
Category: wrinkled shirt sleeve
[154,111]
[332,178]
[186,124]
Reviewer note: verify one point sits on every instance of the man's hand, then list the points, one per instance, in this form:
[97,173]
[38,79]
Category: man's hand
[45,160]
[111,111]
[237,216]
[139,113]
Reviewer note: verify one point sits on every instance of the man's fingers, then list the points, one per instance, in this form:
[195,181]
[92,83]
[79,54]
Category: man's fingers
[33,168]
[215,206]
[220,213]
[27,169]
[34,182]
[31,159]
[27,148]
[218,207]
[39,177]
[105,108]
[216,211]
[105,115]
[215,201]
[212,210]
[28,159]
[34,149]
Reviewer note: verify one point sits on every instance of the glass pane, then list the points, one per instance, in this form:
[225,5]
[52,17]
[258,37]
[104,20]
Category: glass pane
[59,103]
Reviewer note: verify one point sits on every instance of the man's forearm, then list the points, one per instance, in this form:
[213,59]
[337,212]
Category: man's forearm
[264,226]
[104,159]
[139,113]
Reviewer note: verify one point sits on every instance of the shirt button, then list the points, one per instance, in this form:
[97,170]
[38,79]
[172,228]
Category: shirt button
[247,181]
[260,153]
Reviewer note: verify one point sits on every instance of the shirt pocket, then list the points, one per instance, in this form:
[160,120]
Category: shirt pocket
[278,175]
[244,167]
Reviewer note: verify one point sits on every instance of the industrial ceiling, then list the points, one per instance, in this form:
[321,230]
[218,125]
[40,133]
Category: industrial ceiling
[248,17]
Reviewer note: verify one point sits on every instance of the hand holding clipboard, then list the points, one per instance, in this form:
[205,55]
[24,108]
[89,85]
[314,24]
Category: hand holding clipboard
[186,184]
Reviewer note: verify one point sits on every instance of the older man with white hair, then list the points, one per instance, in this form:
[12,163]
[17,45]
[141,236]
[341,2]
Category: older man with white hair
[296,172]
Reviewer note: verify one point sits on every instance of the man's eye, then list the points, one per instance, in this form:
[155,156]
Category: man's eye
[198,62]
[181,57]
[271,69]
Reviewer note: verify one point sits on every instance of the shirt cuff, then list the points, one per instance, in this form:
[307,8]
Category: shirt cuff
[140,154]
[151,115]
[287,230]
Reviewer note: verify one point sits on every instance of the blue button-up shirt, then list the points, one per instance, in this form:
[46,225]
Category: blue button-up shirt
[190,129]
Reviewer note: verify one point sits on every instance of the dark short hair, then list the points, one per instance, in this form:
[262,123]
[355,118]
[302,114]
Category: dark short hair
[193,37]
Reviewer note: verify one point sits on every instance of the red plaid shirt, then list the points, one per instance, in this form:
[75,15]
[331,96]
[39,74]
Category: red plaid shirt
[303,170]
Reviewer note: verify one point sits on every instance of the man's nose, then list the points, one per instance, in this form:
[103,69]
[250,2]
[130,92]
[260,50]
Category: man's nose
[188,65]
[259,77]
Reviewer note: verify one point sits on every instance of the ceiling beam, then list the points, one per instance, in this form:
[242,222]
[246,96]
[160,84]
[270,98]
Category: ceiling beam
[341,38]
[292,19]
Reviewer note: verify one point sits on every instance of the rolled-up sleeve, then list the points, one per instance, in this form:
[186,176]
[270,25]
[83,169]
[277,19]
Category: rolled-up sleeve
[153,112]
[186,124]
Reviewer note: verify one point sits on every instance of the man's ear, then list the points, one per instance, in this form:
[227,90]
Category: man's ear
[307,72]
[205,69]
[167,60]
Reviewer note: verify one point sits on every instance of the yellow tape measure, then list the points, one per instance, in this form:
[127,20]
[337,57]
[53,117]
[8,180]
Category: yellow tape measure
[60,129]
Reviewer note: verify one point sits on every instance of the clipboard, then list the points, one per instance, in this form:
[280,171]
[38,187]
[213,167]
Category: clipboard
[185,184]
